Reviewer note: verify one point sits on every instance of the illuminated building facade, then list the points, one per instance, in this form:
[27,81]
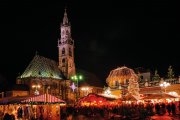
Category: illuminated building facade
[119,80]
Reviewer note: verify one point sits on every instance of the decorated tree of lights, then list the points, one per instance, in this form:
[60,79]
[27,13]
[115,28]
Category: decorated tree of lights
[133,87]
[156,76]
[170,73]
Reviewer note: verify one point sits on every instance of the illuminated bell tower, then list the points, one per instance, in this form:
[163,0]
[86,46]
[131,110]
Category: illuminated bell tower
[66,49]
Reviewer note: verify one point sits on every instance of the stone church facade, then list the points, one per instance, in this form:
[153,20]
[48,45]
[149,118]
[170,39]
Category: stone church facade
[44,75]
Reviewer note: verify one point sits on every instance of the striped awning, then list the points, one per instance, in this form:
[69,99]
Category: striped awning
[45,98]
[38,99]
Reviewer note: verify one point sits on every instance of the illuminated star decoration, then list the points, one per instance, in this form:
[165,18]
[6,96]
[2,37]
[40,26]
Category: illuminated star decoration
[73,87]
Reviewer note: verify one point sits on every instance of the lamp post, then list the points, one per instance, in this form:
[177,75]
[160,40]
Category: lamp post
[76,78]
[164,85]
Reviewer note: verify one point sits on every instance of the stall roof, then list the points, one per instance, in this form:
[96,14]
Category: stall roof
[94,97]
[45,98]
[159,96]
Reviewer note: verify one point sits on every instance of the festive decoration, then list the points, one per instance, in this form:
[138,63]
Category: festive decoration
[77,78]
[92,99]
[47,98]
[164,85]
[123,76]
[36,92]
[159,96]
[156,76]
[120,76]
[170,73]
[107,92]
[38,99]
[73,87]
[133,88]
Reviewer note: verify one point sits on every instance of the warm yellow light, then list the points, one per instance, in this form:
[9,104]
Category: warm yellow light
[164,84]
[85,88]
[173,93]
[107,92]
[36,86]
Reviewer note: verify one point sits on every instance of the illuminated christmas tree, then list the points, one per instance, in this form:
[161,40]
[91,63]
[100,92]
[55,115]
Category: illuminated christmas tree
[156,76]
[170,73]
[133,88]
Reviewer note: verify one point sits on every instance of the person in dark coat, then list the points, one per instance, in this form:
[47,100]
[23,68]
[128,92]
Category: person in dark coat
[7,117]
[157,107]
[163,108]
[20,112]
[168,107]
[173,108]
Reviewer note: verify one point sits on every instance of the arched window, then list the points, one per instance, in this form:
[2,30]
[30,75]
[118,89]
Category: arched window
[116,83]
[70,52]
[67,32]
[63,51]
[63,60]
[63,32]
[70,65]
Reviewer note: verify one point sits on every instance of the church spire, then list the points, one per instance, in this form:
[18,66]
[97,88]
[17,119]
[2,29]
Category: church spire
[66,49]
[65,19]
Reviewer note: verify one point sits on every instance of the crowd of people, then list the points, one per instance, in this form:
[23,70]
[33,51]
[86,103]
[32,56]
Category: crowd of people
[138,111]
[162,108]
[123,111]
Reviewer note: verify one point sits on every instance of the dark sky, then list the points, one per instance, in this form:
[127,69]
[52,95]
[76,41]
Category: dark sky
[106,34]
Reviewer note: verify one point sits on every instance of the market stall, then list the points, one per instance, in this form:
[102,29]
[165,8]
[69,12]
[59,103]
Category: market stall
[41,106]
[92,100]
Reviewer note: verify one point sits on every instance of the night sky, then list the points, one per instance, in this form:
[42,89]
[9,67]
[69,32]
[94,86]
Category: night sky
[106,34]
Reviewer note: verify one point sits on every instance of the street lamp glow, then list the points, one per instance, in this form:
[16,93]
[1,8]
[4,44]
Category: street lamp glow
[36,92]
[173,93]
[76,78]
[80,77]
[85,88]
[38,86]
[164,85]
[107,92]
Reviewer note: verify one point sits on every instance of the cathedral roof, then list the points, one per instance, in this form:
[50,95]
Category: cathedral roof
[42,67]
